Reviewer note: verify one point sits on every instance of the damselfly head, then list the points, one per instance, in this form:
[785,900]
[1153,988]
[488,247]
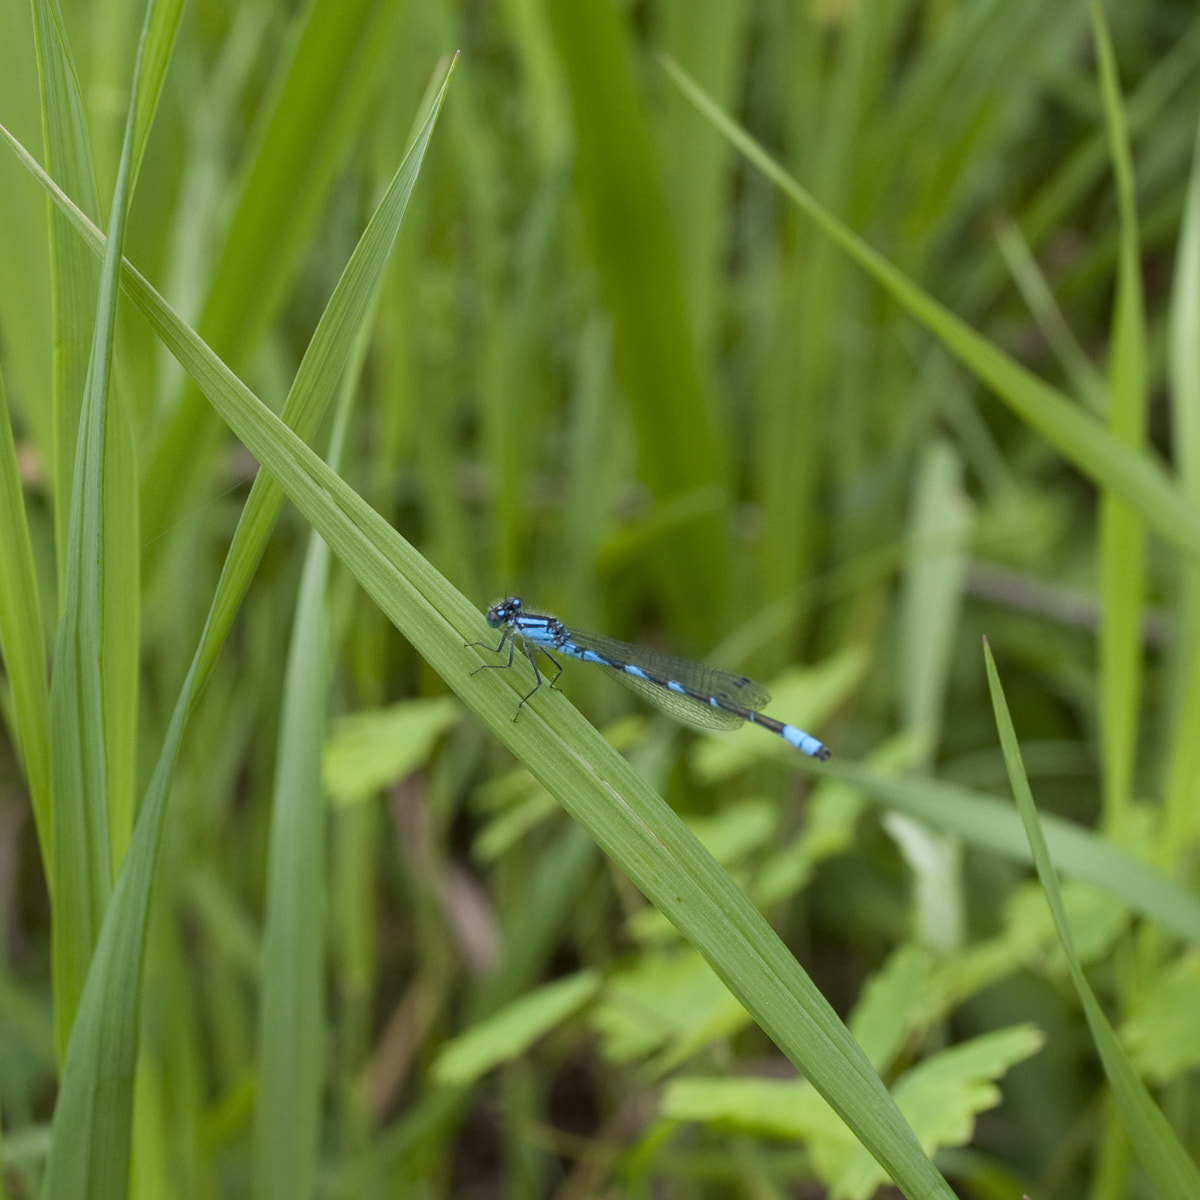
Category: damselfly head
[503,612]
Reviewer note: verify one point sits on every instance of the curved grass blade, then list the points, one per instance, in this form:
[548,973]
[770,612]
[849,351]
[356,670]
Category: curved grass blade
[91,1124]
[592,782]
[1138,479]
[1158,1149]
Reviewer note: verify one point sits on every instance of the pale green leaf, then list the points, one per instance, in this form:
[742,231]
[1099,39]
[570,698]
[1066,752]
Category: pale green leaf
[1162,1033]
[668,1005]
[369,750]
[510,1032]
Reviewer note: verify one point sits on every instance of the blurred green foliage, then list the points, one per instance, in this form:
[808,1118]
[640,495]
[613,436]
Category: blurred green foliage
[613,368]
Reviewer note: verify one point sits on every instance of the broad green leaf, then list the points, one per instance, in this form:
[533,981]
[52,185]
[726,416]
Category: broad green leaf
[885,1013]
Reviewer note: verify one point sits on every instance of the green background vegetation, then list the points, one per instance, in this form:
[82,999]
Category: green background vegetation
[586,317]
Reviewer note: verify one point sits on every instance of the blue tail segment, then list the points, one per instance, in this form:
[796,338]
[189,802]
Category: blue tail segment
[688,691]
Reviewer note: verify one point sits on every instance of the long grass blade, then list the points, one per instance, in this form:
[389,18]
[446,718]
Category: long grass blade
[90,1148]
[633,250]
[96,1094]
[1122,536]
[300,141]
[565,753]
[22,642]
[1157,1147]
[1183,773]
[1079,438]
[92,685]
[290,1024]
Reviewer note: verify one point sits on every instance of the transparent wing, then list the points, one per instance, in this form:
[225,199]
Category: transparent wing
[709,681]
[682,708]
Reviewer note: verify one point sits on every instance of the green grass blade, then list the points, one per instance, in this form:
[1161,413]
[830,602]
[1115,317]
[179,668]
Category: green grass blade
[1158,1150]
[1038,295]
[1122,538]
[510,1032]
[121,611]
[76,280]
[291,1019]
[694,168]
[318,376]
[568,756]
[987,824]
[26,306]
[75,274]
[808,399]
[1079,438]
[22,641]
[562,750]
[301,140]
[634,254]
[89,1151]
[495,429]
[90,1147]
[103,1045]
[933,590]
[154,57]
[93,699]
[1183,770]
